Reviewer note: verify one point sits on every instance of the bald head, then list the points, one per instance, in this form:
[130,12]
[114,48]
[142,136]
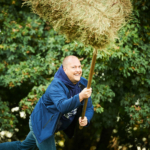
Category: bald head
[69,59]
[72,68]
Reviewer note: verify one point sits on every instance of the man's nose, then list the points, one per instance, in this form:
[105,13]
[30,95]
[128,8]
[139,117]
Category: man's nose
[78,69]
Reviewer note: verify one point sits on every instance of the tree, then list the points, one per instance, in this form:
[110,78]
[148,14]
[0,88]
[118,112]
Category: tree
[30,54]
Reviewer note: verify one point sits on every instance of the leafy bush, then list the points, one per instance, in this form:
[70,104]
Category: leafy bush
[31,52]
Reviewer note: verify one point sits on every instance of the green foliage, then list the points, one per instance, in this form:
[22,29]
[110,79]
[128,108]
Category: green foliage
[7,120]
[31,52]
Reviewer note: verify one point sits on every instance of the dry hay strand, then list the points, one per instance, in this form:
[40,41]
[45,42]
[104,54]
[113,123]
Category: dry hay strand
[94,22]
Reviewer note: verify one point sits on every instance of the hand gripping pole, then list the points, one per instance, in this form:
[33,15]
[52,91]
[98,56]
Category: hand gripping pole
[89,83]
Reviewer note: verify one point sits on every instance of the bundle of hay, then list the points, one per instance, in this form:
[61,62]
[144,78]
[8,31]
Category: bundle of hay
[94,22]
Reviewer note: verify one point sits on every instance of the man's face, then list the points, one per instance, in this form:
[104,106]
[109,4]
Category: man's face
[73,70]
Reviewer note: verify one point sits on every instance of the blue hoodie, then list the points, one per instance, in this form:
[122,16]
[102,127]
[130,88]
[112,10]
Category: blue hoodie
[55,102]
[74,89]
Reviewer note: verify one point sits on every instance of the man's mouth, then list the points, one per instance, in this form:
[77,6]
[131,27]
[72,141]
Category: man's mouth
[77,74]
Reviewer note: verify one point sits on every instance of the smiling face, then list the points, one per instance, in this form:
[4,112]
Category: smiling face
[72,68]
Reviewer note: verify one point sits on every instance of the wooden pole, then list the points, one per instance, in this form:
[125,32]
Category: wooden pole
[89,83]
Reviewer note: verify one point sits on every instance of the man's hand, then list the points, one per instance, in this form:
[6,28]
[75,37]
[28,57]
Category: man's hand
[83,122]
[85,93]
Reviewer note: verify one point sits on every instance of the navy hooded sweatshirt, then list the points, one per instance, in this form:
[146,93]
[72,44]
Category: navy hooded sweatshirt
[74,89]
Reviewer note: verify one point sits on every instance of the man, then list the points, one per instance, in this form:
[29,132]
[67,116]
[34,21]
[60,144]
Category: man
[61,105]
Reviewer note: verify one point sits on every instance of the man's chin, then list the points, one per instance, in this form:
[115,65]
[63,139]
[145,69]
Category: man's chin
[76,80]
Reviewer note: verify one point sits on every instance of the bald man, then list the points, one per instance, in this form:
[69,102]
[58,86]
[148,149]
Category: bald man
[60,106]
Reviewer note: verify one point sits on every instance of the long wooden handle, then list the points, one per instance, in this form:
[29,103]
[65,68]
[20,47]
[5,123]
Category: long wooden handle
[89,84]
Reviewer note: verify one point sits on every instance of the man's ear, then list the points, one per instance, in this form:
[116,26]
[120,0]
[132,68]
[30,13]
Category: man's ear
[64,69]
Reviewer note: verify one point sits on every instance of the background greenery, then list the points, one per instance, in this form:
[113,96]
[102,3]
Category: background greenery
[30,54]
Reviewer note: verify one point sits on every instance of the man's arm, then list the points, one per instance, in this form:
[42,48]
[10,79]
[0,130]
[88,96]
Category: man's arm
[58,96]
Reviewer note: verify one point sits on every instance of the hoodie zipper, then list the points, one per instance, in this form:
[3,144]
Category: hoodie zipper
[48,121]
[57,121]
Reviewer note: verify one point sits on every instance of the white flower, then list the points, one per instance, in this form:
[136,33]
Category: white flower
[135,128]
[115,131]
[8,134]
[3,133]
[118,118]
[137,102]
[144,139]
[130,146]
[15,109]
[61,143]
[16,129]
[22,114]
[138,148]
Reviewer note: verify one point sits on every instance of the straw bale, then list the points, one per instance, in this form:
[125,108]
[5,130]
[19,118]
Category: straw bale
[94,22]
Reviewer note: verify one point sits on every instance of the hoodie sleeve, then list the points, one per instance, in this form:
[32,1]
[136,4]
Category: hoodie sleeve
[57,94]
[89,110]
